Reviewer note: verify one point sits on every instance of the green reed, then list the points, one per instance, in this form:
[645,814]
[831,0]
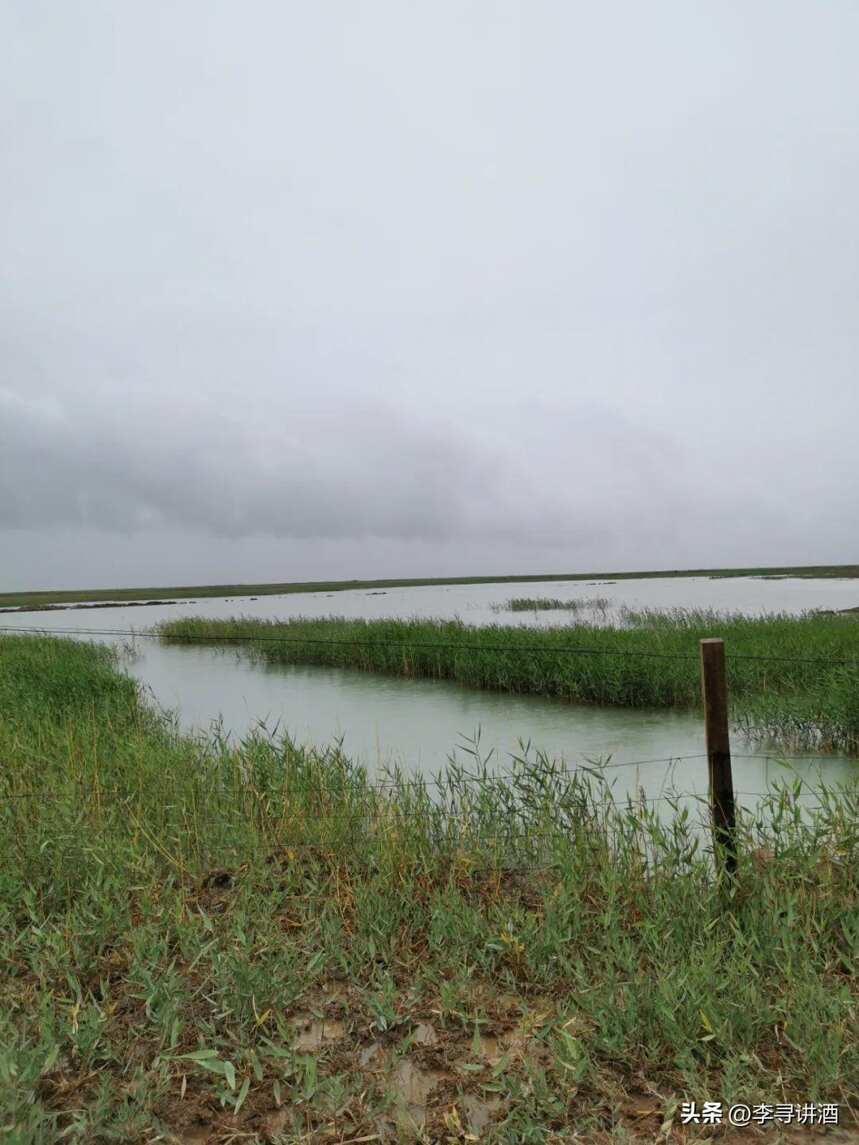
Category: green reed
[787,682]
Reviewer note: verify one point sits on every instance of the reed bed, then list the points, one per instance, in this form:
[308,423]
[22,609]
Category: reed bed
[595,604]
[789,683]
[257,942]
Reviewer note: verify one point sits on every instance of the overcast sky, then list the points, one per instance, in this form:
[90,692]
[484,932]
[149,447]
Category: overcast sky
[311,290]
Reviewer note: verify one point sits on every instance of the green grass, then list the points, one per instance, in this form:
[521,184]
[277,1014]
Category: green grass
[255,941]
[800,703]
[44,598]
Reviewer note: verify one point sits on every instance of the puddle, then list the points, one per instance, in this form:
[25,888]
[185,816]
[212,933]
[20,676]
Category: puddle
[490,1047]
[414,1084]
[335,991]
[479,1111]
[313,1033]
[275,1123]
[371,1053]
[495,1047]
[411,1086]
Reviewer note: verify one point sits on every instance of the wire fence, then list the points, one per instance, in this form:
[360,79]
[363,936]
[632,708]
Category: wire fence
[551,770]
[719,798]
[513,847]
[547,649]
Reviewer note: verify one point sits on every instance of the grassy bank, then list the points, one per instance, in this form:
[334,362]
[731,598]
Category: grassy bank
[800,701]
[43,598]
[201,942]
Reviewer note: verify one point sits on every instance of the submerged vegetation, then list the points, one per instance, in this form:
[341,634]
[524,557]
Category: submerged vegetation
[793,680]
[256,943]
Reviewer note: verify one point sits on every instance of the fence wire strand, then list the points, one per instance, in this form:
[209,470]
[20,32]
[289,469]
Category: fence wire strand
[539,649]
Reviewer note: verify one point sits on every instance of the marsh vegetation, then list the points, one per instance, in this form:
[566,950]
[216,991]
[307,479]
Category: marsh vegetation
[595,604]
[794,681]
[256,941]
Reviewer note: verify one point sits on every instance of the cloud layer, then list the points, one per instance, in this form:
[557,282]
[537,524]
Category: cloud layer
[307,290]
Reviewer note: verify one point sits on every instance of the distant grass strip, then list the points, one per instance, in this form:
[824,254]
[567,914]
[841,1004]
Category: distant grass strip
[35,599]
[255,943]
[549,603]
[652,662]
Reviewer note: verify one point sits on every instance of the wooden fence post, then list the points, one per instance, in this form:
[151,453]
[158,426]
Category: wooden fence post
[714,689]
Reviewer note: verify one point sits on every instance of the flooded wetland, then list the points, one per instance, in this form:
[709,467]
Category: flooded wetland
[274,907]
[386,722]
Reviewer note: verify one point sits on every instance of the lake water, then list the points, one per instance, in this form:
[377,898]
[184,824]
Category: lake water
[416,724]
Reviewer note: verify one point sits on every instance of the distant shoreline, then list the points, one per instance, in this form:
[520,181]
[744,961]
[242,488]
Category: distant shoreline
[48,600]
[114,602]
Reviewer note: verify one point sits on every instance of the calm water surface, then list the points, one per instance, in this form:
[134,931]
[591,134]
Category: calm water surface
[417,724]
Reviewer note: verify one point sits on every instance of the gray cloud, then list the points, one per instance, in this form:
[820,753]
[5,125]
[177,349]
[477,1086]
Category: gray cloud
[425,289]
[347,469]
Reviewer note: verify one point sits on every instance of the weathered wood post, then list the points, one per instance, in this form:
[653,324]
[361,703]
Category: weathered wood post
[714,689]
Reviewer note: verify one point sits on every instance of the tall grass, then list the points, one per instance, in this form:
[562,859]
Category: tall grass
[785,683]
[176,913]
